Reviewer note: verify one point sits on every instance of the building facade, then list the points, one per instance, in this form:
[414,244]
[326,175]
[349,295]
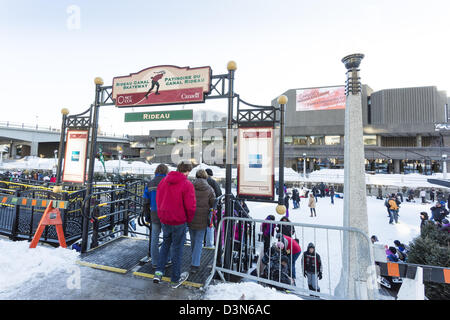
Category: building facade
[405,131]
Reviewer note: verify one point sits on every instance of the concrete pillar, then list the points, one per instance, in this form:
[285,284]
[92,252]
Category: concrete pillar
[13,150]
[378,141]
[396,166]
[311,165]
[34,149]
[418,140]
[355,260]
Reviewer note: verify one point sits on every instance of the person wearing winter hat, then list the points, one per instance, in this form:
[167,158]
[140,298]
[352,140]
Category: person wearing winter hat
[445,225]
[438,212]
[402,250]
[391,254]
[312,267]
[374,239]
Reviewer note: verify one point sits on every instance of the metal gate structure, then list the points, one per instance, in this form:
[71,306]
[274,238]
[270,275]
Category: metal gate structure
[328,241]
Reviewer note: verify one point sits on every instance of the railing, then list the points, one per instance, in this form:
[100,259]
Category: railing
[113,207]
[49,128]
[328,241]
[111,211]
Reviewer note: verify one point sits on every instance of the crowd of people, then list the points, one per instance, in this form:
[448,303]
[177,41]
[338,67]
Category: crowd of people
[279,260]
[317,191]
[174,206]
[36,175]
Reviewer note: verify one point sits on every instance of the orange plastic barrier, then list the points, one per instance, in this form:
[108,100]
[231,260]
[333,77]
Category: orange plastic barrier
[51,217]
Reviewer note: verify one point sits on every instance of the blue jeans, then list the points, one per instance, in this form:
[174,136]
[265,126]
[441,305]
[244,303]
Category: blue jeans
[332,199]
[294,259]
[173,237]
[393,215]
[295,204]
[154,247]
[210,236]
[197,237]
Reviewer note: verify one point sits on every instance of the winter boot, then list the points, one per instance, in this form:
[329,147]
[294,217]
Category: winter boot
[158,276]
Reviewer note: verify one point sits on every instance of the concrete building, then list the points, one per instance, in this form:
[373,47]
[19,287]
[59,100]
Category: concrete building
[401,132]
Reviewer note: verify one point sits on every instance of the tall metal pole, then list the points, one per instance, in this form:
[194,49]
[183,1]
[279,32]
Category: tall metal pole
[281,208]
[92,151]
[230,146]
[444,166]
[231,66]
[304,165]
[355,260]
[61,146]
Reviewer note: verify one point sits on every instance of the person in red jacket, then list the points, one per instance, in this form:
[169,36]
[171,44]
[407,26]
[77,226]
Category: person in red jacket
[155,82]
[292,249]
[175,200]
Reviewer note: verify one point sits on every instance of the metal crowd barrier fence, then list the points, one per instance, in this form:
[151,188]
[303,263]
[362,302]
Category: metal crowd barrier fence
[114,209]
[275,268]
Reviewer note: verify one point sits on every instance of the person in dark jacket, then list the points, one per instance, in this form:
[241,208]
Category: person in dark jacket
[424,221]
[295,198]
[268,230]
[150,203]
[276,265]
[438,212]
[204,196]
[445,225]
[286,203]
[209,237]
[175,199]
[286,229]
[312,267]
[332,194]
[432,194]
[213,183]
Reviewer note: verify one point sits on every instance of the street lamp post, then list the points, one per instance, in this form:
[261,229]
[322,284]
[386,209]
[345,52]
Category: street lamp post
[120,158]
[304,165]
[444,166]
[55,152]
[353,283]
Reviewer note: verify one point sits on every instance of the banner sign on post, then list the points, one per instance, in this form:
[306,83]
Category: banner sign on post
[162,85]
[255,163]
[75,156]
[327,98]
[159,115]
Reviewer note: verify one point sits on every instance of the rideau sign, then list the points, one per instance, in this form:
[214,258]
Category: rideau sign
[159,116]
[162,85]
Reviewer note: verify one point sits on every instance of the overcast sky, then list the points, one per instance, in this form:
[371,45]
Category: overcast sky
[49,61]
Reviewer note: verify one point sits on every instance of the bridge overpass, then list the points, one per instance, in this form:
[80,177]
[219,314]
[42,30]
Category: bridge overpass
[35,140]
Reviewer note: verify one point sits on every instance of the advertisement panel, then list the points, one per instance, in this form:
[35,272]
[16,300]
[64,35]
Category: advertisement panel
[320,99]
[255,163]
[75,156]
[162,85]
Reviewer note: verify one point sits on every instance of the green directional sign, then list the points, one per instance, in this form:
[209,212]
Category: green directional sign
[159,115]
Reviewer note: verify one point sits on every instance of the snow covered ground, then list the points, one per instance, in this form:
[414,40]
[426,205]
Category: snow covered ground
[20,266]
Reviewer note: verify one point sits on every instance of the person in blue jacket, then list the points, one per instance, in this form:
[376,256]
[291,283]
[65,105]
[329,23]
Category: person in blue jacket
[150,203]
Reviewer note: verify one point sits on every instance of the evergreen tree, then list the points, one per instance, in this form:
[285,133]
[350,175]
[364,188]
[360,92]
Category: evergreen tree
[432,247]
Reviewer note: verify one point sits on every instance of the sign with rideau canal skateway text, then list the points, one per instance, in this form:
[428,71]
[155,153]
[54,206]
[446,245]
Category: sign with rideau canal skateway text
[159,115]
[162,85]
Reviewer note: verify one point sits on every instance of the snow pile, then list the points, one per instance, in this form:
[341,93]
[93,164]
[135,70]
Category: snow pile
[20,264]
[245,291]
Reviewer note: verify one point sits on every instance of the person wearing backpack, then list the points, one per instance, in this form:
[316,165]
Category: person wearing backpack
[151,212]
[393,210]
